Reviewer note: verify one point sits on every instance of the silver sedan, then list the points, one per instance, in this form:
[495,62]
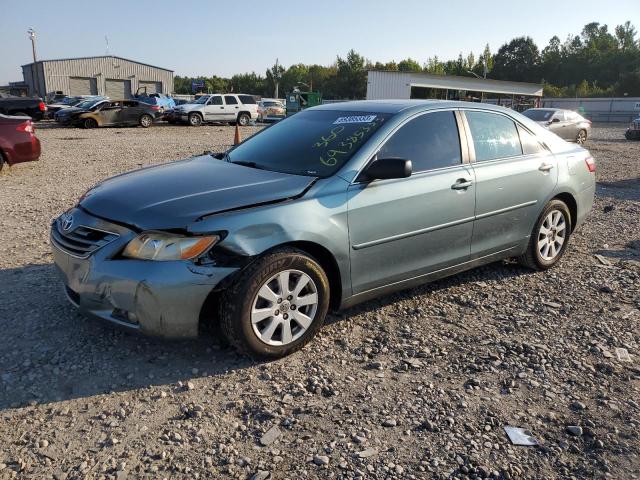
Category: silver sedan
[567,124]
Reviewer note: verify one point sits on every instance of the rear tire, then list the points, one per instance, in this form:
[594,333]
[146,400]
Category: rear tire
[146,121]
[272,325]
[243,119]
[195,120]
[549,237]
[89,123]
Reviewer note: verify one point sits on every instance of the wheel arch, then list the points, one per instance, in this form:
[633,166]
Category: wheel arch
[571,203]
[208,311]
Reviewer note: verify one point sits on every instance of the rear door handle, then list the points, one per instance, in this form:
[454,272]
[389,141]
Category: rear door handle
[545,167]
[462,184]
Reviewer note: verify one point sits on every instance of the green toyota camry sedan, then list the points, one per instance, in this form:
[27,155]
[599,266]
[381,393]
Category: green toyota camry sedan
[332,206]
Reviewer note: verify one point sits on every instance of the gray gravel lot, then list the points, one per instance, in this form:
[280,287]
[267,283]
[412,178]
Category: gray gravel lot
[415,385]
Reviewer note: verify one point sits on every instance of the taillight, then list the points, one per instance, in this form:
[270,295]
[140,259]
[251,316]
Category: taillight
[591,164]
[155,108]
[25,127]
[42,107]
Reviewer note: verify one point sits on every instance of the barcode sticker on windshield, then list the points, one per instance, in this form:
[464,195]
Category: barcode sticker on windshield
[355,119]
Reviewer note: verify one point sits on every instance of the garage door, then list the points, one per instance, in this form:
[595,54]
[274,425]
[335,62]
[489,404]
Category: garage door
[115,89]
[152,87]
[82,86]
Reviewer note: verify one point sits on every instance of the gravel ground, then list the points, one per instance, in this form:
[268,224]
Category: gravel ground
[415,385]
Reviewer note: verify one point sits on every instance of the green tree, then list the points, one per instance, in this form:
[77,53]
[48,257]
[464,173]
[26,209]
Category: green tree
[247,83]
[409,65]
[518,60]
[351,81]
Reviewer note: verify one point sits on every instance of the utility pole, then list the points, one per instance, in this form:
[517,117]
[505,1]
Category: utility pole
[34,70]
[32,36]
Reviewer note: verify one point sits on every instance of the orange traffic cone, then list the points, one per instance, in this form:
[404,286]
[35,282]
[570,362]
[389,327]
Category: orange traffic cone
[236,137]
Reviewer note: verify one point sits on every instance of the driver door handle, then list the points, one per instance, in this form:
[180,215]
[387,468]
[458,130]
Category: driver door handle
[462,184]
[545,167]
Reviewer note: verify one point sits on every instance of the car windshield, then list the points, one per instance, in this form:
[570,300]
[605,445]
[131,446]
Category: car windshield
[70,101]
[538,115]
[271,104]
[87,103]
[313,142]
[201,100]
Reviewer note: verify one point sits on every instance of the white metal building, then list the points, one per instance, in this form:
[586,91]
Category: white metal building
[406,85]
[111,76]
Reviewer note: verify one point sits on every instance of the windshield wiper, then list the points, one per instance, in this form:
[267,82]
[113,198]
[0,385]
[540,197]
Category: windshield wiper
[249,164]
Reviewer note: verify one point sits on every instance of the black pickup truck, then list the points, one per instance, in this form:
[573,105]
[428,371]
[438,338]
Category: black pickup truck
[22,106]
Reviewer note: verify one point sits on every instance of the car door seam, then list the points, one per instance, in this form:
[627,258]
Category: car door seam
[434,228]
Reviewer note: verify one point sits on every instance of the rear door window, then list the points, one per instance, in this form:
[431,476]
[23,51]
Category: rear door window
[247,99]
[430,141]
[530,144]
[230,100]
[494,135]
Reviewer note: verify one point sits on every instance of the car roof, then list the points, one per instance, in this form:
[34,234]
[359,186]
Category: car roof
[396,106]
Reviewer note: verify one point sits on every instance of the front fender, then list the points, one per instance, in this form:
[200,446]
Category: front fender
[319,216]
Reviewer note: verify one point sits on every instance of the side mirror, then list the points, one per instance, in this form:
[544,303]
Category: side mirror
[386,168]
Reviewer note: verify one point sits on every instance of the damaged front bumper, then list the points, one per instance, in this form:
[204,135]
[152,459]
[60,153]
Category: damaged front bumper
[155,298]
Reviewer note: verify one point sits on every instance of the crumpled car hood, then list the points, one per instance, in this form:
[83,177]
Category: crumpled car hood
[176,194]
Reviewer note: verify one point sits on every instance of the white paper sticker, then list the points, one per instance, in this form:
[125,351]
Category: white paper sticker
[355,119]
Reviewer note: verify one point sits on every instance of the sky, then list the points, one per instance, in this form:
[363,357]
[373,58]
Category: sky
[223,38]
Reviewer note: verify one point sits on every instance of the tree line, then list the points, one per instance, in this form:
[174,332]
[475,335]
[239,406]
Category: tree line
[595,63]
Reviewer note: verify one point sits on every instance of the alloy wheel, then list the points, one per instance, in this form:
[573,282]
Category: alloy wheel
[284,307]
[552,235]
[582,137]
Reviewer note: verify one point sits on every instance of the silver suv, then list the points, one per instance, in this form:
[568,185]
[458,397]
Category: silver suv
[229,108]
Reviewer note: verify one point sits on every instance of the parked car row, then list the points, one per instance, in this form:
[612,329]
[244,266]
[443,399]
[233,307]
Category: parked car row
[68,102]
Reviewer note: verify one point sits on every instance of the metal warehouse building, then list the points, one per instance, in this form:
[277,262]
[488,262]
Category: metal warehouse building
[405,85]
[111,76]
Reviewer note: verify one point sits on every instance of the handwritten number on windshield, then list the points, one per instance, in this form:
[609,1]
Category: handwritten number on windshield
[344,146]
[324,141]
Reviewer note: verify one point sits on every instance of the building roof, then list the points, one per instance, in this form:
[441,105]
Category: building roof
[98,56]
[454,82]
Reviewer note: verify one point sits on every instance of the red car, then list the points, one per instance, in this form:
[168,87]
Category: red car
[18,142]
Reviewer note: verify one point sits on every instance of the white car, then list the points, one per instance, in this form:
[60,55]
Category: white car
[232,108]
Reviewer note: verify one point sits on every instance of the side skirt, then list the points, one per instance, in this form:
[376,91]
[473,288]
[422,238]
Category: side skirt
[429,277]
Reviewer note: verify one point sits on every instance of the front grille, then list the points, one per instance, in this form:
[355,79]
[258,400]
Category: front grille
[81,241]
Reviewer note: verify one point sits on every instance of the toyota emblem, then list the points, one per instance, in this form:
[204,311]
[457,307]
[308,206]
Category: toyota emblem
[66,222]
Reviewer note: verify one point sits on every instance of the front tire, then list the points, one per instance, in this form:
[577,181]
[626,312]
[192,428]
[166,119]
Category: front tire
[195,120]
[146,121]
[549,237]
[276,305]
